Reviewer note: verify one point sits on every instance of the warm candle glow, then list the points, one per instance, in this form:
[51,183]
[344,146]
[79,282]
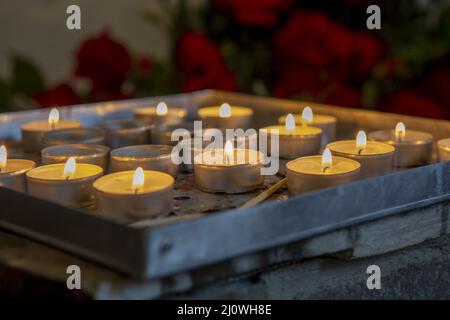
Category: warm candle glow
[138,180]
[307,115]
[228,151]
[361,141]
[225,111]
[161,109]
[69,168]
[3,157]
[53,117]
[290,122]
[327,159]
[400,130]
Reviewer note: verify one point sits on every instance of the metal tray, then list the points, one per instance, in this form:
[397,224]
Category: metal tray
[205,228]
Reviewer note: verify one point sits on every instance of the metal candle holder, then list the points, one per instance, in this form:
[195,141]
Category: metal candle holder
[73,136]
[83,153]
[121,133]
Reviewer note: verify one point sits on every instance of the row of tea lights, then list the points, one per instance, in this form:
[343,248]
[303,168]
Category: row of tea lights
[134,190]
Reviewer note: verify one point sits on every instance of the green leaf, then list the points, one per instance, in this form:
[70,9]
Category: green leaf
[26,77]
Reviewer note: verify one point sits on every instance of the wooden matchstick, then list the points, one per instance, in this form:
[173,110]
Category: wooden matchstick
[264,195]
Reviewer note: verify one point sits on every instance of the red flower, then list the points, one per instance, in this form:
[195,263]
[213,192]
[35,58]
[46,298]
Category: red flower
[410,103]
[60,95]
[368,52]
[257,13]
[200,61]
[104,61]
[437,85]
[144,65]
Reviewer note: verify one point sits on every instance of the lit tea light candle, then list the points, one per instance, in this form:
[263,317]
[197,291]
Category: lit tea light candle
[412,148]
[121,133]
[317,172]
[226,116]
[12,171]
[294,141]
[376,158]
[443,149]
[73,136]
[32,132]
[149,157]
[325,122]
[161,114]
[136,194]
[67,183]
[228,170]
[81,152]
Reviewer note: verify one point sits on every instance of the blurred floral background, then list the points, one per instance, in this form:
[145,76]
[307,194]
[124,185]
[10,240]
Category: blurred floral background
[306,50]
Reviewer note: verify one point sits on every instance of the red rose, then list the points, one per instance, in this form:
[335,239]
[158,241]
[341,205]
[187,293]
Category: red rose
[200,61]
[368,52]
[257,13]
[144,65]
[410,103]
[104,61]
[60,95]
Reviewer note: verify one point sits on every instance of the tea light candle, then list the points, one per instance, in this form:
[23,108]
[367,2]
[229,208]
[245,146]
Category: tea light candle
[228,170]
[32,132]
[69,184]
[12,171]
[325,122]
[83,153]
[121,133]
[376,158]
[161,114]
[138,193]
[412,148]
[317,172]
[163,134]
[73,136]
[226,116]
[149,157]
[294,141]
[444,149]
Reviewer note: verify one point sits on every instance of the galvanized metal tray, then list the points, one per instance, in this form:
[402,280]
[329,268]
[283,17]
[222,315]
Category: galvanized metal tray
[205,228]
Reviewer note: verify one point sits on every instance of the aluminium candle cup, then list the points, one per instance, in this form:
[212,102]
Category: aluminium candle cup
[325,122]
[377,158]
[121,133]
[83,153]
[230,179]
[13,175]
[115,196]
[149,157]
[33,132]
[306,174]
[47,182]
[149,116]
[163,134]
[444,149]
[414,149]
[241,117]
[73,136]
[303,141]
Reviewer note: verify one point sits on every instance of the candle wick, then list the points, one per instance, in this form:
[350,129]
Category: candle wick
[67,178]
[360,151]
[325,169]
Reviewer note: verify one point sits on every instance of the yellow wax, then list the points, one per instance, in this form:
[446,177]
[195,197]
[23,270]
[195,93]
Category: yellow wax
[217,157]
[318,119]
[410,137]
[298,131]
[349,147]
[17,166]
[313,165]
[44,126]
[120,183]
[151,111]
[55,172]
[236,111]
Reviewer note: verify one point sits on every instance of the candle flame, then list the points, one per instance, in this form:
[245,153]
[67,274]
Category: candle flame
[53,117]
[290,122]
[361,140]
[307,115]
[400,130]
[138,180]
[3,157]
[69,168]
[161,109]
[327,159]
[225,110]
[228,150]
